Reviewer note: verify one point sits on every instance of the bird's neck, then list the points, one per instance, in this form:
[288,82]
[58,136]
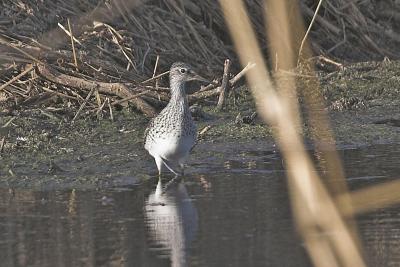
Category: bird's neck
[178,93]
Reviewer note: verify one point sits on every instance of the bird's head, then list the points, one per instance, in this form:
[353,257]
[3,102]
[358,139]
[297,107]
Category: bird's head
[183,72]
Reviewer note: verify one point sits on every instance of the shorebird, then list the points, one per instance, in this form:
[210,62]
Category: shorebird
[172,134]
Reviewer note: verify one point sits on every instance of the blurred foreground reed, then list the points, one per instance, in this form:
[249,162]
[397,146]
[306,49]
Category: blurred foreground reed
[330,238]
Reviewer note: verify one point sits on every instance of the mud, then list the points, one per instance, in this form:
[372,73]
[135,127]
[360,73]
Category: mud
[44,149]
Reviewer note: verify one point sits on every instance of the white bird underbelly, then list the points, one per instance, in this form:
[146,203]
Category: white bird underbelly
[171,148]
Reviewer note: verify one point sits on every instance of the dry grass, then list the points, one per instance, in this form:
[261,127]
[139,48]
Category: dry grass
[110,53]
[121,41]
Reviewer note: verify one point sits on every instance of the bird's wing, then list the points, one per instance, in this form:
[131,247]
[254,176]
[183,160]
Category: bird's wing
[146,131]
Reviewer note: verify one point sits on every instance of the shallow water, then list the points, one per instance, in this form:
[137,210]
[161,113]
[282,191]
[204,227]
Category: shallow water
[231,214]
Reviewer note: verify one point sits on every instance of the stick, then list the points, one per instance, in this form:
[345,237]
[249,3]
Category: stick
[8,122]
[155,70]
[100,109]
[16,77]
[308,30]
[69,33]
[60,94]
[238,76]
[73,45]
[233,81]
[2,143]
[204,130]
[110,108]
[20,50]
[155,66]
[155,77]
[118,89]
[129,98]
[83,104]
[224,85]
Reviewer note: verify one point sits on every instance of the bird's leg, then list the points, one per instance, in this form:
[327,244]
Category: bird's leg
[171,169]
[159,163]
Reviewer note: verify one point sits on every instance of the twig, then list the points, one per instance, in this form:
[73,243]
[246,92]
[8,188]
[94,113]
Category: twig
[155,70]
[129,98]
[16,77]
[204,130]
[118,89]
[155,77]
[60,94]
[110,108]
[69,33]
[100,109]
[98,99]
[84,103]
[2,143]
[20,50]
[72,44]
[308,30]
[224,84]
[155,66]
[233,81]
[212,85]
[8,122]
[238,76]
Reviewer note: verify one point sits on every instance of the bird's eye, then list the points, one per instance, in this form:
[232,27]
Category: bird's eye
[182,70]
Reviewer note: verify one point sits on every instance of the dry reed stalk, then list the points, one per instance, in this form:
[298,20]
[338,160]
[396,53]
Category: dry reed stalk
[84,104]
[73,45]
[2,144]
[118,89]
[372,198]
[27,70]
[203,131]
[242,73]
[155,66]
[224,84]
[305,186]
[155,77]
[118,102]
[110,109]
[309,29]
[9,44]
[69,31]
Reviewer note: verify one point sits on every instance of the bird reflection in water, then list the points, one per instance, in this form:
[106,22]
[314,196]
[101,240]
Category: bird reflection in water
[172,219]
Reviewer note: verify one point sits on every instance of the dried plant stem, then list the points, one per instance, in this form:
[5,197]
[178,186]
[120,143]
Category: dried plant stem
[155,66]
[311,200]
[224,84]
[30,68]
[243,72]
[370,198]
[2,41]
[203,131]
[83,104]
[72,44]
[2,143]
[155,77]
[109,88]
[110,109]
[308,30]
[129,98]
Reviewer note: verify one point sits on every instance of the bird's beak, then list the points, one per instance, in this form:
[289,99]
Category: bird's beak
[195,77]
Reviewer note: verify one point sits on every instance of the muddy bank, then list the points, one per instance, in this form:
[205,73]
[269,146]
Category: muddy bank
[42,148]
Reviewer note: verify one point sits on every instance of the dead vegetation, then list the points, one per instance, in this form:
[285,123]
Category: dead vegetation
[97,55]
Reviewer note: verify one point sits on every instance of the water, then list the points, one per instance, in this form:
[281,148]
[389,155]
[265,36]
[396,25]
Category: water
[233,214]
